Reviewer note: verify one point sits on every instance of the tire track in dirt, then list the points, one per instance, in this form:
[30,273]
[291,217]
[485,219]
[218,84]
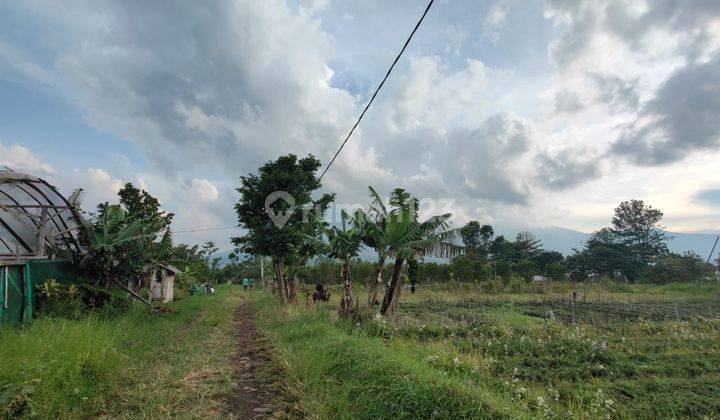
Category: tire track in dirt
[255,396]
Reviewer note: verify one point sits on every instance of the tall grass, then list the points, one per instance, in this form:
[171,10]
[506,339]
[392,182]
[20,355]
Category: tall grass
[459,353]
[136,364]
[339,371]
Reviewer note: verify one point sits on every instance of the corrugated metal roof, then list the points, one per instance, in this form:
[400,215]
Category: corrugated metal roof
[172,268]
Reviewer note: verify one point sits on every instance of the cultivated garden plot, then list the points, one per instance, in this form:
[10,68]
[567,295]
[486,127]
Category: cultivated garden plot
[642,354]
[555,356]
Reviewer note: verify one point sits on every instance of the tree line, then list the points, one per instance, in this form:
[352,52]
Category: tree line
[633,248]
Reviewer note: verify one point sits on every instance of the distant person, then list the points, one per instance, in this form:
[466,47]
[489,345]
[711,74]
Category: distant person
[246,283]
[412,288]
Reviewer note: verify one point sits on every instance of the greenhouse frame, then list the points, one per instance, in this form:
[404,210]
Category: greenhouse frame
[38,231]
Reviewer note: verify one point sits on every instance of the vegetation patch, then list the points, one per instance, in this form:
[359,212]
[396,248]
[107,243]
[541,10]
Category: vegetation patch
[139,364]
[464,356]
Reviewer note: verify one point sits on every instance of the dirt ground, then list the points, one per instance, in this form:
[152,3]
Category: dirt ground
[257,395]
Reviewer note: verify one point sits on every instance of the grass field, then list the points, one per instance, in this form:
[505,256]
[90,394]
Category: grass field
[618,352]
[169,364]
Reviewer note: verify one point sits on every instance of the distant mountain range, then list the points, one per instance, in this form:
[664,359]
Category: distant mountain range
[566,240]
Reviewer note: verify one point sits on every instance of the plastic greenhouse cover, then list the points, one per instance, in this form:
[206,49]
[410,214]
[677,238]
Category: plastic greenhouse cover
[33,214]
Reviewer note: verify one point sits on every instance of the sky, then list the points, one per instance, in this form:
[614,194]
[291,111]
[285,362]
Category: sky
[515,113]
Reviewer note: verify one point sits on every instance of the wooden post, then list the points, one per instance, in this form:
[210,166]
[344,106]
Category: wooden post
[28,312]
[41,233]
[262,271]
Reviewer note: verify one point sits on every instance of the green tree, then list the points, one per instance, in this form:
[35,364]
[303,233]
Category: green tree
[477,239]
[145,255]
[637,226]
[501,249]
[344,244]
[678,268]
[430,237]
[110,242]
[526,247]
[384,231]
[605,255]
[470,234]
[288,242]
[545,258]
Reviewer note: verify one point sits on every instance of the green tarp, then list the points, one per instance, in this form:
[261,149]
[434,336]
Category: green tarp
[18,283]
[12,294]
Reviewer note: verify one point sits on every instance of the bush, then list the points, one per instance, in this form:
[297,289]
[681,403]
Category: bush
[56,299]
[687,267]
[73,300]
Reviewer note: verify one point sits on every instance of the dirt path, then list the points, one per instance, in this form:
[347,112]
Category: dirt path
[255,396]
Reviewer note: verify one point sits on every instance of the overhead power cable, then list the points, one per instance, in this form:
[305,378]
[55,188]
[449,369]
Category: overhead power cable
[378,88]
[362,114]
[206,229]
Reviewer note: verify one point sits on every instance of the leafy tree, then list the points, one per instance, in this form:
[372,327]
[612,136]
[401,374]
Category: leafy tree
[501,249]
[556,271]
[477,239]
[526,247]
[546,258]
[208,250]
[287,243]
[526,268]
[605,255]
[676,267]
[384,231]
[193,261]
[144,256]
[636,225]
[579,265]
[110,242]
[470,234]
[136,259]
[344,244]
[430,237]
[140,205]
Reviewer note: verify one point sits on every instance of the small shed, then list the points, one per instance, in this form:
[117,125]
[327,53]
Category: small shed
[162,284]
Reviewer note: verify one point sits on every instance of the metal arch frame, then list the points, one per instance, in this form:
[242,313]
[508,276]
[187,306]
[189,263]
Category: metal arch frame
[50,212]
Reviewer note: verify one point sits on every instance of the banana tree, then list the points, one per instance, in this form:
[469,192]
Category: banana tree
[383,231]
[414,239]
[105,240]
[344,243]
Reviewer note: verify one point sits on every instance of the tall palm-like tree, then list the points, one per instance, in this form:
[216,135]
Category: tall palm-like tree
[344,243]
[397,233]
[383,231]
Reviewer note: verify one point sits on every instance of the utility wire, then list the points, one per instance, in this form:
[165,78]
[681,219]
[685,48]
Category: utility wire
[713,248]
[352,130]
[206,229]
[378,89]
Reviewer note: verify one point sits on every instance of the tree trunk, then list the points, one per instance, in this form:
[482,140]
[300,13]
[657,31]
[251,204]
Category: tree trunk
[280,281]
[346,303]
[392,293]
[375,283]
[292,292]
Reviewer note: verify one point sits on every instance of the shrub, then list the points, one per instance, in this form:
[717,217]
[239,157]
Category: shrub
[675,267]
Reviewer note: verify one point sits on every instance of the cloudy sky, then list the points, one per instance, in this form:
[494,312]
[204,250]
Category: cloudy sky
[517,113]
